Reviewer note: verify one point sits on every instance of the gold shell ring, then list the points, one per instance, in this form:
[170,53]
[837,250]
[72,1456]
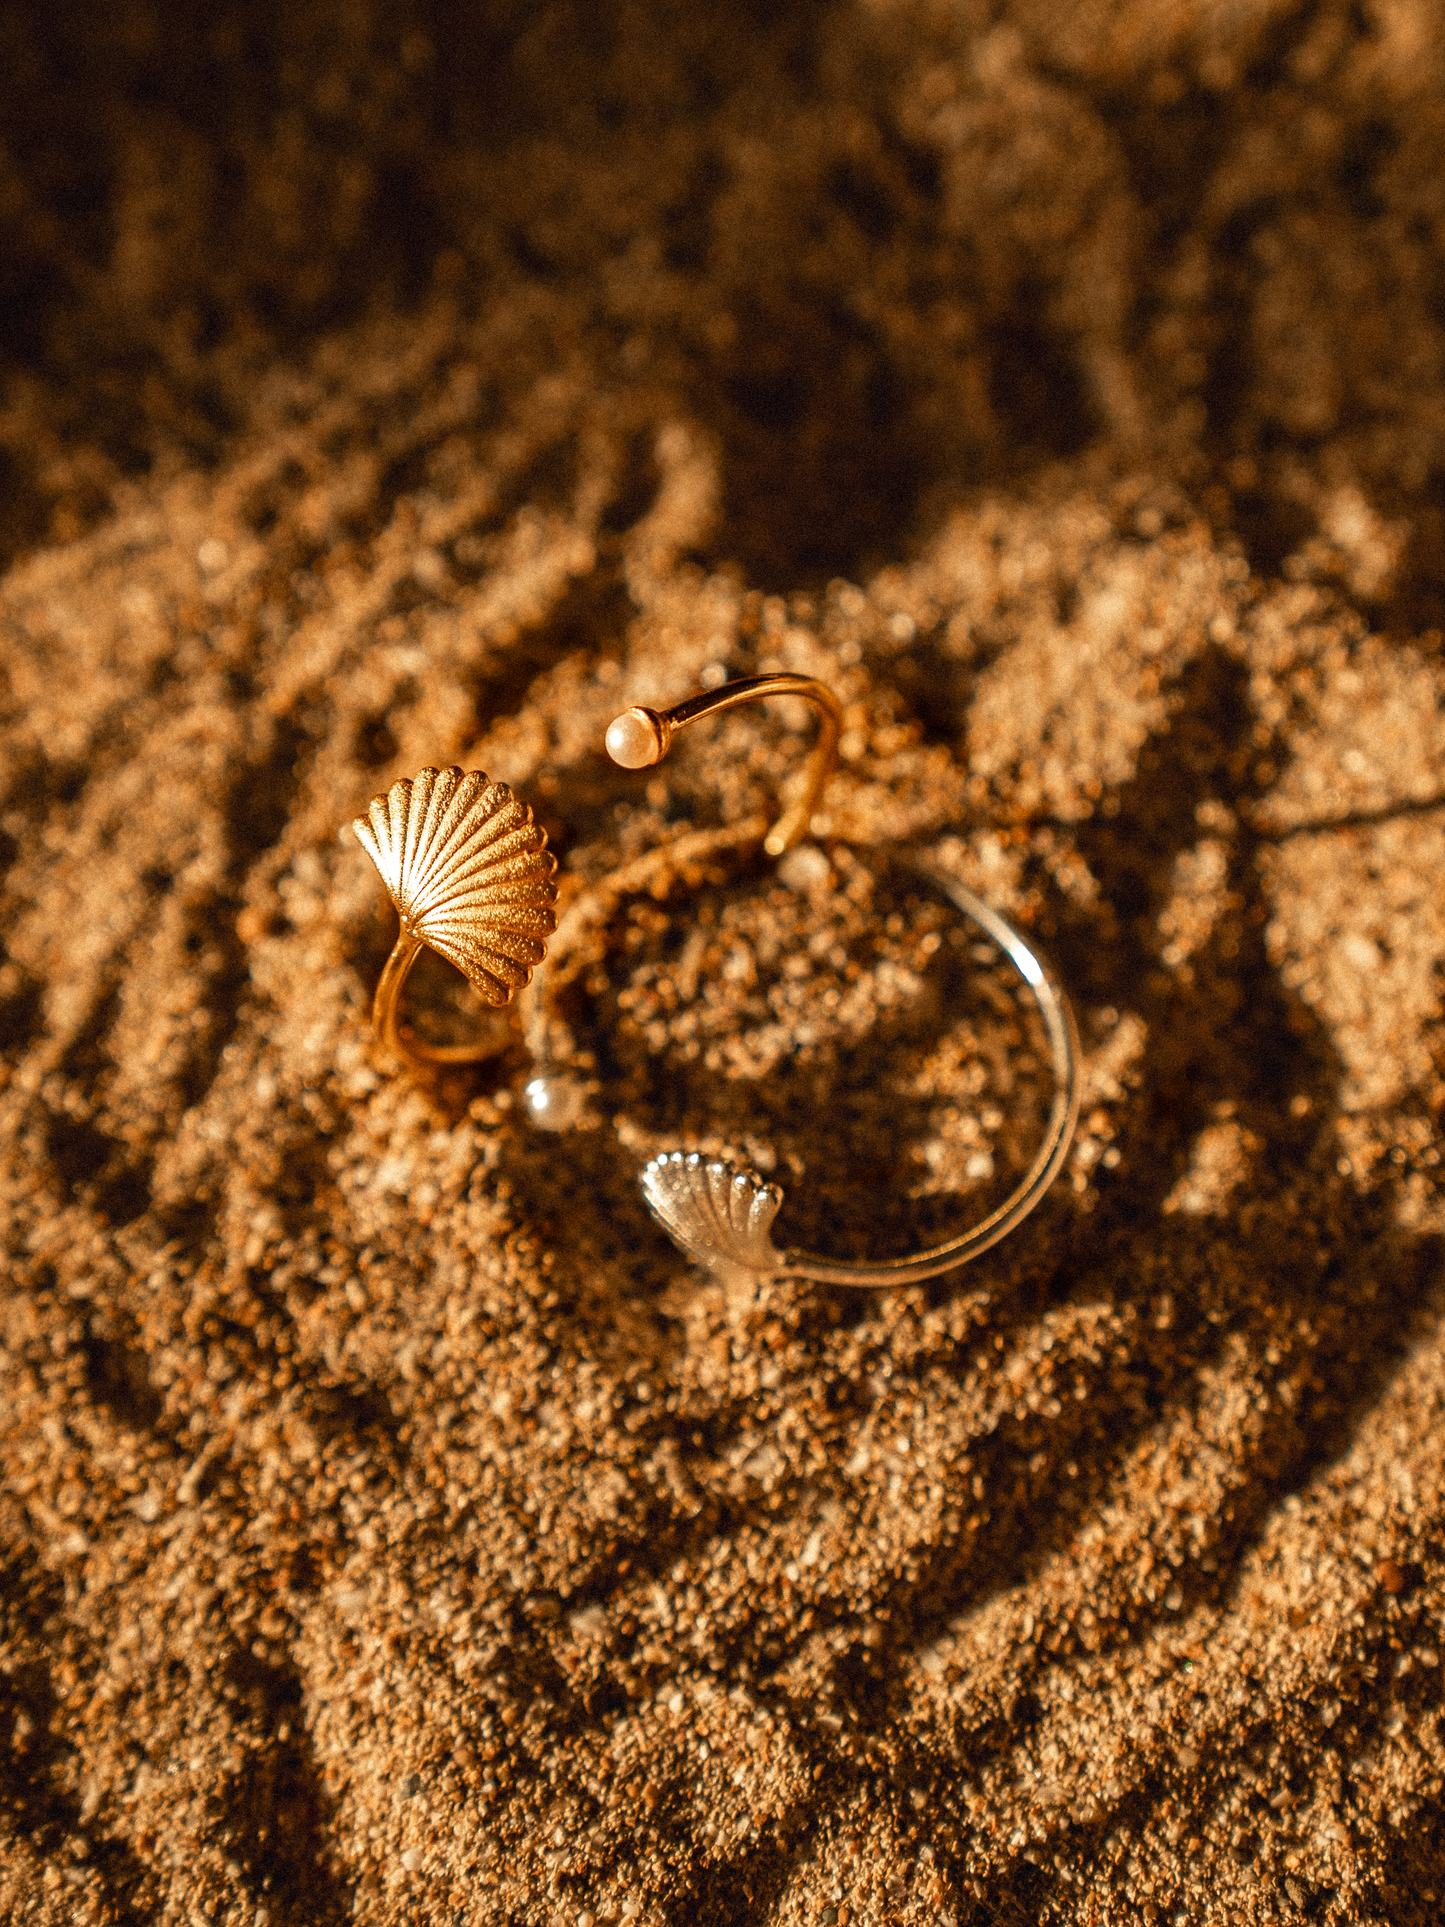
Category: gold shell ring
[470,875]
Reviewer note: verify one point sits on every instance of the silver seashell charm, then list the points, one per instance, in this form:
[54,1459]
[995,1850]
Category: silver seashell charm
[469,872]
[718,1214]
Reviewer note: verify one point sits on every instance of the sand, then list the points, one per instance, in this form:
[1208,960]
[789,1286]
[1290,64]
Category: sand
[394,1528]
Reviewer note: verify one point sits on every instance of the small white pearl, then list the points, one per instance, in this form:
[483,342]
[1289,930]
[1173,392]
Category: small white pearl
[632,740]
[555,1103]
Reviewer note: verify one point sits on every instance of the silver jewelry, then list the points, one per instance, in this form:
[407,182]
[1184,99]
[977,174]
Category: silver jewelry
[721,1214]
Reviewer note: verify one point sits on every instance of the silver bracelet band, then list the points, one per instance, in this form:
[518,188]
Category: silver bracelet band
[721,1214]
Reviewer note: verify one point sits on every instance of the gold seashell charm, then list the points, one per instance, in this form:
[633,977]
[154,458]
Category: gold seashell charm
[471,876]
[719,1214]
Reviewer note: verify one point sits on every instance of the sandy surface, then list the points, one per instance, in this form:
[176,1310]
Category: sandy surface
[393,1528]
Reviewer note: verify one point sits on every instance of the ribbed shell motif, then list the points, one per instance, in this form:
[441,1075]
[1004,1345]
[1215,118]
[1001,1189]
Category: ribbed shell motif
[720,1215]
[469,872]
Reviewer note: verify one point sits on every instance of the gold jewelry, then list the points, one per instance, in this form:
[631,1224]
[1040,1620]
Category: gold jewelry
[721,1214]
[471,876]
[637,739]
[641,737]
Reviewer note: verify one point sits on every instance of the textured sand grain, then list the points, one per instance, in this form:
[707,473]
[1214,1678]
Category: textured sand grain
[392,1527]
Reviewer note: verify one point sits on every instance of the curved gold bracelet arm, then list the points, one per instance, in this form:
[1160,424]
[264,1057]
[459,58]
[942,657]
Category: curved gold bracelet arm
[637,739]
[640,737]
